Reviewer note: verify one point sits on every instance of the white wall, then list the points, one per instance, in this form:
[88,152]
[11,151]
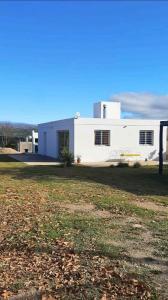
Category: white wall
[113,110]
[34,143]
[51,130]
[124,138]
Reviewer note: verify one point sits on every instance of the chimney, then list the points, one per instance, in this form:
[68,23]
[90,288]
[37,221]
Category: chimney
[107,110]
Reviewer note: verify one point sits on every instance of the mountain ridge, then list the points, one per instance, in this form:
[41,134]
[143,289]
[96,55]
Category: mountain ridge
[18,125]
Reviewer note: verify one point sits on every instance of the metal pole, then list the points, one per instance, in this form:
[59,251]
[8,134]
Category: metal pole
[161,150]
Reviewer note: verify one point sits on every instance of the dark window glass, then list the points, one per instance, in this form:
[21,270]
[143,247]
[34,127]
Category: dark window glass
[102,137]
[146,137]
[63,140]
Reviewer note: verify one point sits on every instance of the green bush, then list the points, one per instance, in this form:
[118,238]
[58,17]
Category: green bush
[112,166]
[122,165]
[136,165]
[67,157]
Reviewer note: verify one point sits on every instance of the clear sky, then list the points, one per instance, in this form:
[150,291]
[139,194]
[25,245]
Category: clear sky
[57,58]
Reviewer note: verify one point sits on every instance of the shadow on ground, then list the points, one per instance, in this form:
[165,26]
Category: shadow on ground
[140,181]
[30,157]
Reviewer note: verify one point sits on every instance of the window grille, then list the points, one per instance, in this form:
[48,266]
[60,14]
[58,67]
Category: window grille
[146,137]
[102,137]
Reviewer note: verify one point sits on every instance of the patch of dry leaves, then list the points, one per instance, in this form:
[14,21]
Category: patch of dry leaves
[55,269]
[64,274]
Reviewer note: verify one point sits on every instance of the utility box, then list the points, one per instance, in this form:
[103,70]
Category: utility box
[107,110]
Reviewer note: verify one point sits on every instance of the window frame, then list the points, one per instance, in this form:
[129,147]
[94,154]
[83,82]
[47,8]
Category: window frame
[146,132]
[101,138]
[63,140]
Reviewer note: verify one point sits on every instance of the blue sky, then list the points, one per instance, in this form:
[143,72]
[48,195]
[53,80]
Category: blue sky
[57,58]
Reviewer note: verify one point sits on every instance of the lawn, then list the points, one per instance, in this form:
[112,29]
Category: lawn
[83,233]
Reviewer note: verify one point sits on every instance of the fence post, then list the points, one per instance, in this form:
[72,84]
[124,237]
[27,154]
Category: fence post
[161,149]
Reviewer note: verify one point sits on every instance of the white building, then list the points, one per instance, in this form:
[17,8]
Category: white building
[30,144]
[34,141]
[104,137]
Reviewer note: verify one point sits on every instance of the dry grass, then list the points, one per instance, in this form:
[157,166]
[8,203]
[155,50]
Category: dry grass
[101,221]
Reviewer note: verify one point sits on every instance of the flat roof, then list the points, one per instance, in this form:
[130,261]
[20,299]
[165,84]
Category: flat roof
[101,121]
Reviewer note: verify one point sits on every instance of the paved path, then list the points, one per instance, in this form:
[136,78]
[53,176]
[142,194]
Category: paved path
[34,159]
[41,160]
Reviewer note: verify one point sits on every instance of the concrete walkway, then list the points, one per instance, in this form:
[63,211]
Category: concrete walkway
[41,160]
[35,159]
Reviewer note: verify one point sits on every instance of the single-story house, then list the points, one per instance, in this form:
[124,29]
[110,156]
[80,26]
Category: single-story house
[105,137]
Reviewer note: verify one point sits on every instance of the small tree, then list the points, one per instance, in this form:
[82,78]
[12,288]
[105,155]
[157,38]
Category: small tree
[6,132]
[67,157]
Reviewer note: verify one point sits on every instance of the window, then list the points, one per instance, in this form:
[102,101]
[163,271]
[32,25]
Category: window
[63,140]
[36,140]
[102,137]
[146,137]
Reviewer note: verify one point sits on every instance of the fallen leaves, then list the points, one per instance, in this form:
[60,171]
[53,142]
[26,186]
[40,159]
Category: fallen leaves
[61,273]
[28,260]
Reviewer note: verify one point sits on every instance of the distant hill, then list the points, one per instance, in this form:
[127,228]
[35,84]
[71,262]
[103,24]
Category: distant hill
[11,133]
[18,125]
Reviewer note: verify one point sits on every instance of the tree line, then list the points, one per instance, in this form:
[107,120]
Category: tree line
[11,135]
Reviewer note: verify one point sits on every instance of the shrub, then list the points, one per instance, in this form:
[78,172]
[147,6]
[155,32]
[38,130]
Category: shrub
[67,157]
[136,165]
[122,165]
[78,159]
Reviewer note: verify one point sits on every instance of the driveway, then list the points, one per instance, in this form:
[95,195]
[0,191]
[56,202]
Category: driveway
[35,159]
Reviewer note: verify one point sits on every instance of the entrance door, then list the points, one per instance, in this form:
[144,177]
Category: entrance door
[45,142]
[36,148]
[63,140]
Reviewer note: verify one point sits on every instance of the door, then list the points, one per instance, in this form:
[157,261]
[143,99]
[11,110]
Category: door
[36,148]
[45,142]
[63,140]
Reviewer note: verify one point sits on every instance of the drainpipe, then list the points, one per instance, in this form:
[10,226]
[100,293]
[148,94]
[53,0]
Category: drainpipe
[161,149]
